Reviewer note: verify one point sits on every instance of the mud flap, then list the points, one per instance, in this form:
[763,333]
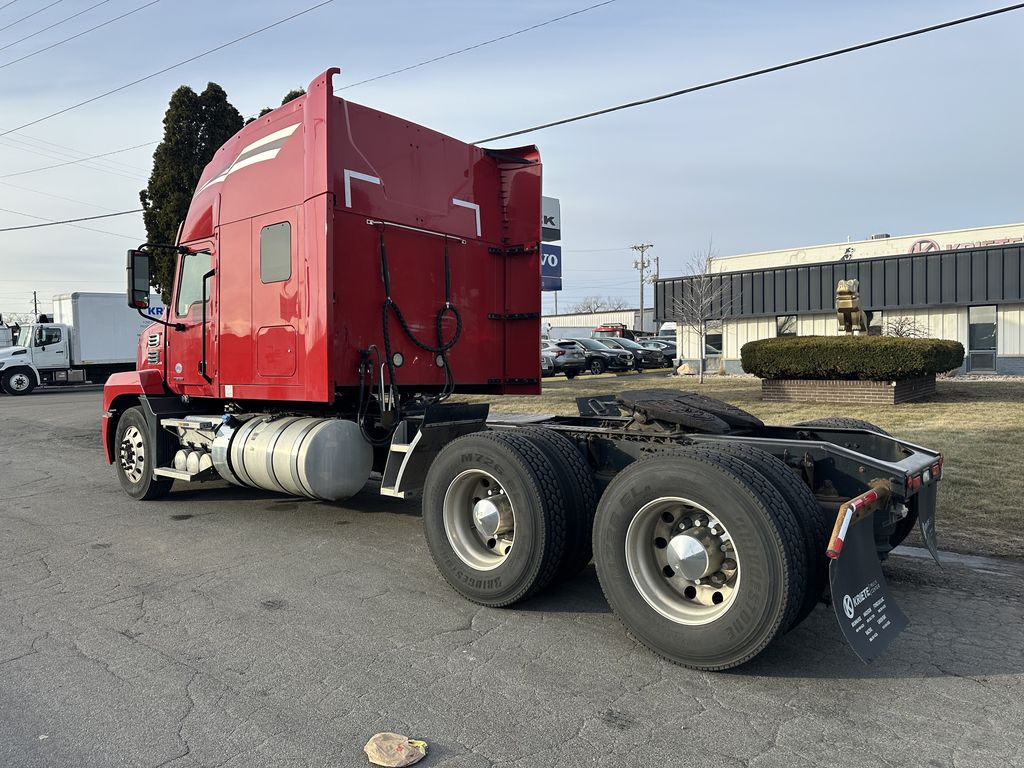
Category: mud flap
[926,518]
[867,614]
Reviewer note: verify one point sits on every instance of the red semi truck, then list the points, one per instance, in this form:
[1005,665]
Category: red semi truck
[342,272]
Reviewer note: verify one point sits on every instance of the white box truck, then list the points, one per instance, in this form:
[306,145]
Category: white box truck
[92,335]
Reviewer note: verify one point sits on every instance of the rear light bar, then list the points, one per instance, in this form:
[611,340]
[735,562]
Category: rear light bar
[930,475]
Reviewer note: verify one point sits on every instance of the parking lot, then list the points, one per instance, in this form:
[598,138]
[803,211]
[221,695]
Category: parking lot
[232,627]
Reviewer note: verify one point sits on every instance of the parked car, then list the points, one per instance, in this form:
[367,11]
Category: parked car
[547,363]
[649,358]
[566,357]
[667,347]
[601,357]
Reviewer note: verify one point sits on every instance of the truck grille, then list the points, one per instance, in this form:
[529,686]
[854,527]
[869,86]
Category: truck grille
[153,357]
[153,340]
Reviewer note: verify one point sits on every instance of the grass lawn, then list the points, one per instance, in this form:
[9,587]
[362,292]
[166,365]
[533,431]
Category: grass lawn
[977,425]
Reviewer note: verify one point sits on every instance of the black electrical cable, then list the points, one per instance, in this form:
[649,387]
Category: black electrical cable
[442,346]
[182,63]
[70,221]
[81,160]
[477,45]
[55,24]
[34,13]
[77,35]
[759,72]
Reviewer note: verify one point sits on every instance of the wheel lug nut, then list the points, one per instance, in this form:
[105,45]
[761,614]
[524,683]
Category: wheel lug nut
[729,564]
[718,579]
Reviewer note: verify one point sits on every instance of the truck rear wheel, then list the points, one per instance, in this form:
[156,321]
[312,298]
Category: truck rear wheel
[20,381]
[494,516]
[580,496]
[813,521]
[699,557]
[136,454]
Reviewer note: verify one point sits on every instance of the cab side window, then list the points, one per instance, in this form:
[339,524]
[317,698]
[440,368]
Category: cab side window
[190,282]
[276,253]
[47,336]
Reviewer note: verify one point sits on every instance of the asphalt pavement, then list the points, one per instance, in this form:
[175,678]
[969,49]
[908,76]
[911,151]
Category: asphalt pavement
[230,627]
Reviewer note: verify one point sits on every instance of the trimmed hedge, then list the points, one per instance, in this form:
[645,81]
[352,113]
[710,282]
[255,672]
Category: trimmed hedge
[874,358]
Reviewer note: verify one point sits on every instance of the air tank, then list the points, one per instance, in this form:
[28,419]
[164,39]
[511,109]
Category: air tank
[300,455]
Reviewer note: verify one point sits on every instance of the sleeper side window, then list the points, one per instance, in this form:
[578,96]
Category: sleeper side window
[276,253]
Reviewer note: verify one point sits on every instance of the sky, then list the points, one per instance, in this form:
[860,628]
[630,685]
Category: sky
[918,136]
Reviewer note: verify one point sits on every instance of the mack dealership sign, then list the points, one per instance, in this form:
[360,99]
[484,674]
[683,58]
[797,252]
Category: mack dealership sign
[550,267]
[550,219]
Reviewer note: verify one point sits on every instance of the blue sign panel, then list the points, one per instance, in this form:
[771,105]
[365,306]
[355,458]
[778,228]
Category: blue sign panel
[550,267]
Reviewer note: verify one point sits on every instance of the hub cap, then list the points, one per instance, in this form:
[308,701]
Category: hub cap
[479,519]
[132,454]
[19,382]
[682,560]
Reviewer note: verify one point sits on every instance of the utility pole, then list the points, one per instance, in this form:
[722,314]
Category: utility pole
[35,307]
[642,265]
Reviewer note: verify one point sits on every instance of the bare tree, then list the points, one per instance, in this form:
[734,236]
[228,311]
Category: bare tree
[906,327]
[706,298]
[599,304]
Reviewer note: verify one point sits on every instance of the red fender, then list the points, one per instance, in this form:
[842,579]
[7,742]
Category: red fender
[126,385]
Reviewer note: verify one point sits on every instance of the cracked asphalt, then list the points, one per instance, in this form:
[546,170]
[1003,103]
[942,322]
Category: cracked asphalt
[229,627]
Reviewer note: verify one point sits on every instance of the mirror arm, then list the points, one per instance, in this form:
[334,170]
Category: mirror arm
[158,321]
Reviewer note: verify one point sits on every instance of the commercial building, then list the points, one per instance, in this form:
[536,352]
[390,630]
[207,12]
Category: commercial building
[964,285]
[576,323]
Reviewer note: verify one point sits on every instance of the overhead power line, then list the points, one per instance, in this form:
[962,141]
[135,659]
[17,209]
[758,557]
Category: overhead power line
[478,45]
[73,162]
[78,35]
[759,72]
[34,13]
[168,69]
[70,222]
[12,2]
[55,196]
[55,24]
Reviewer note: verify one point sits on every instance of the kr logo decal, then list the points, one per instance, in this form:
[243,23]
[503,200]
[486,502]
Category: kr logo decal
[848,606]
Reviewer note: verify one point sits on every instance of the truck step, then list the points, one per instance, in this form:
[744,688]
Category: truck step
[409,459]
[188,477]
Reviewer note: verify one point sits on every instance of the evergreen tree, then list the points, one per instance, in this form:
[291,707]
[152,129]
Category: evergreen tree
[195,126]
[292,94]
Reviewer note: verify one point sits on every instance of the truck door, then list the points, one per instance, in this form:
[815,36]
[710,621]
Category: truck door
[50,347]
[191,353]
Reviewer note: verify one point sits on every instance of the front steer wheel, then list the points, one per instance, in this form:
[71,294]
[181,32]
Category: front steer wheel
[136,453]
[494,516]
[699,558]
[18,382]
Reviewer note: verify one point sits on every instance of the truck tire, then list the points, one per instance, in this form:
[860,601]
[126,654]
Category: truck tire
[499,553]
[598,366]
[136,453]
[647,567]
[814,523]
[20,381]
[842,422]
[580,495]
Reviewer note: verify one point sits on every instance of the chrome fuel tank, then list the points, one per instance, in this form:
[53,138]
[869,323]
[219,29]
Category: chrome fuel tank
[300,455]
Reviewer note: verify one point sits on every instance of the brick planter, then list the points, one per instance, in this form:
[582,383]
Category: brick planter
[839,391]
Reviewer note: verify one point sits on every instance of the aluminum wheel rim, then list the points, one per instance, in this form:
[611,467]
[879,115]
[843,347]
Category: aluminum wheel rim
[133,454]
[658,532]
[19,382]
[474,546]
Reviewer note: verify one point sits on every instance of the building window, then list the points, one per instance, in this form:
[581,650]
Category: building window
[190,281]
[712,337]
[875,324]
[982,322]
[276,253]
[785,325]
